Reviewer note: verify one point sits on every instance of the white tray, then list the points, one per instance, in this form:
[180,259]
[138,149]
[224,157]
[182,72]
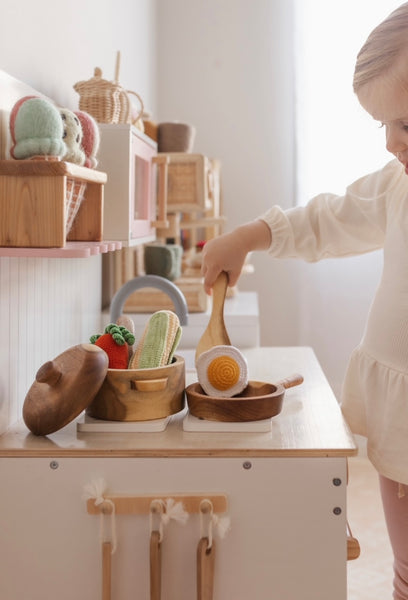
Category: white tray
[90,425]
[191,423]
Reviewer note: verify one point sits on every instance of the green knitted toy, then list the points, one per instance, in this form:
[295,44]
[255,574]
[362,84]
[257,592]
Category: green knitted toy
[159,341]
[36,129]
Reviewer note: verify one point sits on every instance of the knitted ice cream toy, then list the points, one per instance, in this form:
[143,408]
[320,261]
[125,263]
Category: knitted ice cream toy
[90,138]
[222,371]
[36,129]
[159,341]
[72,136]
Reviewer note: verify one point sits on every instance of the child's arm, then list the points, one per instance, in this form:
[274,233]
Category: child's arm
[228,252]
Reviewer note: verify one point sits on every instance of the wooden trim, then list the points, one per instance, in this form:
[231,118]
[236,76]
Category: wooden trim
[54,452]
[141,505]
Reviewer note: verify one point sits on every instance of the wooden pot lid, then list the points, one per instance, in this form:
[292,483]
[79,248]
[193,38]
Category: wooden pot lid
[64,387]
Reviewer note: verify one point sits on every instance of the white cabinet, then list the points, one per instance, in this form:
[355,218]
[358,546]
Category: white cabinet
[285,490]
[285,541]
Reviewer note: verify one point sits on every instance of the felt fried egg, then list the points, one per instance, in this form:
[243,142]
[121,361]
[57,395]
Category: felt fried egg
[222,371]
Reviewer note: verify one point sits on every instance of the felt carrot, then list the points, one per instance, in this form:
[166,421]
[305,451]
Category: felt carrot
[116,342]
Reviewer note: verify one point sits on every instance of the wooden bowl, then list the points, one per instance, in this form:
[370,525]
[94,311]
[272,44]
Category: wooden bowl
[258,401]
[140,394]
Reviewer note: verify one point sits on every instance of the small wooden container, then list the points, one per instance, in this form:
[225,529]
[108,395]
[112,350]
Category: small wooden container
[33,203]
[140,394]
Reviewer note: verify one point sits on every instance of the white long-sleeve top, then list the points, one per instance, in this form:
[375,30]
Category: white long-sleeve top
[372,214]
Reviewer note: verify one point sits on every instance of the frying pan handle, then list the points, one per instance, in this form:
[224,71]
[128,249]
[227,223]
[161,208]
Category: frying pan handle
[291,381]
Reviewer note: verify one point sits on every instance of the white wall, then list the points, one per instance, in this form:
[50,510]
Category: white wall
[226,66]
[52,45]
[48,305]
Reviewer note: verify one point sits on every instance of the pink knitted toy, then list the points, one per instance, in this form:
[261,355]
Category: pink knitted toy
[90,138]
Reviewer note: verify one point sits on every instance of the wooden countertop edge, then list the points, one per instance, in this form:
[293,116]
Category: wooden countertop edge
[182,453]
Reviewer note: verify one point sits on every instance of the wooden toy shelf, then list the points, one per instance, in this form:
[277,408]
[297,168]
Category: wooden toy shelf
[33,205]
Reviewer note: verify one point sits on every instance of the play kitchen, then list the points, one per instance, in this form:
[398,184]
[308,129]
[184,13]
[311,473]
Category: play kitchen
[130,474]
[144,496]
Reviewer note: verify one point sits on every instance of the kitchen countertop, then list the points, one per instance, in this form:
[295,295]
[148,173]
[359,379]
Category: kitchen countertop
[310,424]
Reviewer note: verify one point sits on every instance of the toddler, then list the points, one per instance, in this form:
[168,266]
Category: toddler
[372,214]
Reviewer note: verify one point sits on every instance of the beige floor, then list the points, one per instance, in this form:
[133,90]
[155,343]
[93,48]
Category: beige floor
[369,576]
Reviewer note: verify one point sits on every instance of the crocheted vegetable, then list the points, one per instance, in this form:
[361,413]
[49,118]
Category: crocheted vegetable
[90,138]
[159,341]
[72,136]
[116,342]
[36,129]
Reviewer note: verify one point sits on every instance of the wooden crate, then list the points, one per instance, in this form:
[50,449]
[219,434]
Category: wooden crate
[188,182]
[32,203]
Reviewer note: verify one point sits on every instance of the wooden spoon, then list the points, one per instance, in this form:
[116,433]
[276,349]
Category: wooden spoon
[205,570]
[106,571]
[155,566]
[215,334]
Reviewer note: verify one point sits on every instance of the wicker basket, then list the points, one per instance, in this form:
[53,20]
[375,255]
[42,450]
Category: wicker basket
[75,192]
[99,98]
[107,101]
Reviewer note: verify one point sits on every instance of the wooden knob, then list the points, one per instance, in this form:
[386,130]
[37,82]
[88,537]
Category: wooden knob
[48,373]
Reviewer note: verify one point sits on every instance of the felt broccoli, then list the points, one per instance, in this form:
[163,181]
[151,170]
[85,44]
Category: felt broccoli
[117,342]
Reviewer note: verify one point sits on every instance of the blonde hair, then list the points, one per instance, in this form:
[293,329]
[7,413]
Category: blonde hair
[385,44]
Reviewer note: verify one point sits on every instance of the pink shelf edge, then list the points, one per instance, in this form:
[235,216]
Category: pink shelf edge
[70,250]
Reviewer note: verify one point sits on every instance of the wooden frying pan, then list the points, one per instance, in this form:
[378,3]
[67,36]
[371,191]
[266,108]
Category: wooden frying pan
[258,401]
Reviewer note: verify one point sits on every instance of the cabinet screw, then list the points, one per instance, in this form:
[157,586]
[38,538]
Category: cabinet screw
[337,481]
[247,464]
[54,464]
[337,510]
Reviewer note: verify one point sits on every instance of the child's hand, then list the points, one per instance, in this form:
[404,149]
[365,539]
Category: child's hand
[223,253]
[228,252]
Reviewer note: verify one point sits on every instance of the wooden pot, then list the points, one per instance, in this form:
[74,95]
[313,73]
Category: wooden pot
[140,394]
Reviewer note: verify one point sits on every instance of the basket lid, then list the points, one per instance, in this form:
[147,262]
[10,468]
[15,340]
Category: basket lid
[96,84]
[64,387]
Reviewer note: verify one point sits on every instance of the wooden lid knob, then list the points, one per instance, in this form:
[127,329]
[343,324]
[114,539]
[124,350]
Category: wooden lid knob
[48,373]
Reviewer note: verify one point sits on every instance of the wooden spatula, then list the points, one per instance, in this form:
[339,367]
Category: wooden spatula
[205,570]
[215,334]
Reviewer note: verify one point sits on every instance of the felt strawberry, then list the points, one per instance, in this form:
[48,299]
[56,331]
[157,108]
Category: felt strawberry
[116,342]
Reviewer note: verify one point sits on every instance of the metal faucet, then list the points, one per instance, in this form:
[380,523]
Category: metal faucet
[155,281]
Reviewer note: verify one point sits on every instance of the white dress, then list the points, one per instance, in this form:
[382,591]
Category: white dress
[372,214]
